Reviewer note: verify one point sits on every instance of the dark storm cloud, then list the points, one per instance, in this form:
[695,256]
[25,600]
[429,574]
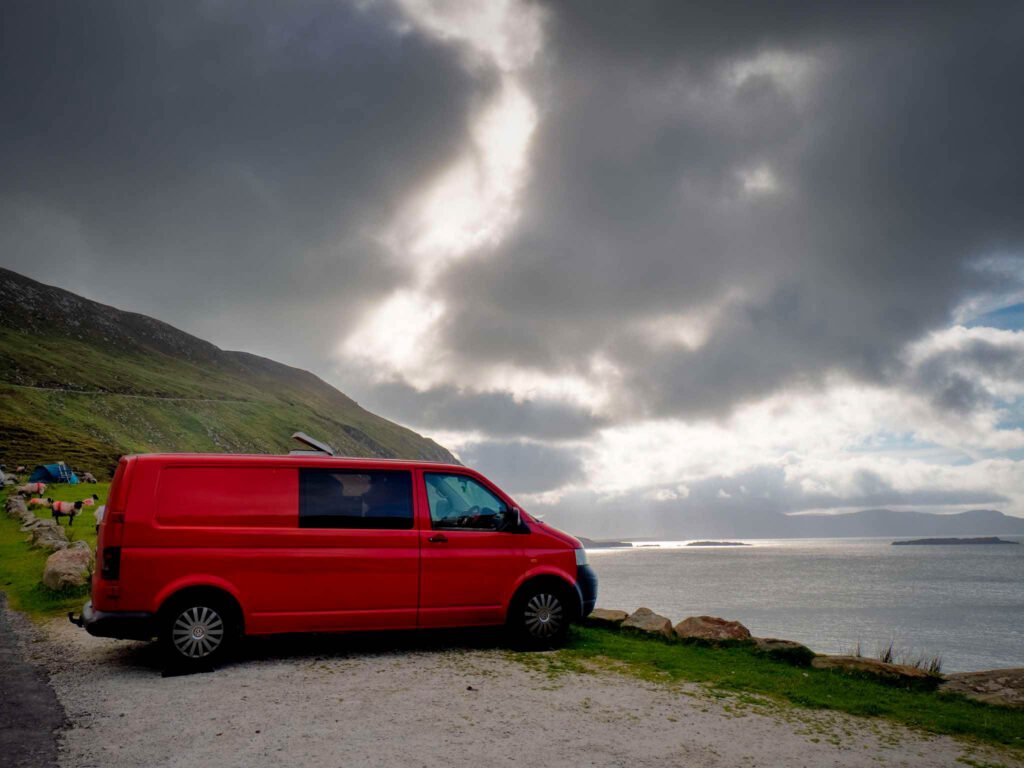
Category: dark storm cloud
[229,166]
[897,163]
[524,467]
[223,165]
[494,413]
[961,379]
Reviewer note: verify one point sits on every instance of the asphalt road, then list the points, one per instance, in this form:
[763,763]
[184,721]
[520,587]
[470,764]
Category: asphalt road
[30,714]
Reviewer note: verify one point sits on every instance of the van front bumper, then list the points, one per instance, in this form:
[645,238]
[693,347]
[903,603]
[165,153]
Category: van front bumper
[124,625]
[586,583]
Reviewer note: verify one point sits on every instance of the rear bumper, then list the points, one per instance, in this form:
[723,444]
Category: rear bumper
[586,583]
[125,625]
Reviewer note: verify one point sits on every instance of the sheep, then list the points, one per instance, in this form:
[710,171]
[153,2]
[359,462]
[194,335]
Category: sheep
[88,477]
[28,489]
[71,509]
[38,502]
[21,469]
[68,509]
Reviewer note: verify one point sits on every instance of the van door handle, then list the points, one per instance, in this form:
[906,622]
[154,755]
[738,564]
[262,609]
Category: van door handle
[438,539]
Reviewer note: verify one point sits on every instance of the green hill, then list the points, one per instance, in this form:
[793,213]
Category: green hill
[85,383]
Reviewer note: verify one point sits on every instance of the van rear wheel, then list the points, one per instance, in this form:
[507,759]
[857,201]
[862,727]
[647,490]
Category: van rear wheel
[196,631]
[539,617]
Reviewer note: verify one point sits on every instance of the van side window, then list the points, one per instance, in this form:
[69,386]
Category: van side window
[461,503]
[379,499]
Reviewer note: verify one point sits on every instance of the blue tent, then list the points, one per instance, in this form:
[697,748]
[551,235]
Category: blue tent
[53,473]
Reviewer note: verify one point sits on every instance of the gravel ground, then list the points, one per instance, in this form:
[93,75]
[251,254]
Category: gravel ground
[431,700]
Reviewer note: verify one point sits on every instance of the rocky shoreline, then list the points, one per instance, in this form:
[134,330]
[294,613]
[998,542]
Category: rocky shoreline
[1000,687]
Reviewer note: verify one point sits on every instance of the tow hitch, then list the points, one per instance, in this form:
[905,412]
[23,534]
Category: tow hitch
[77,622]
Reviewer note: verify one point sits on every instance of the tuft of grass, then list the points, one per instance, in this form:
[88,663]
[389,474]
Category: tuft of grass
[21,567]
[890,655]
[740,670]
[887,653]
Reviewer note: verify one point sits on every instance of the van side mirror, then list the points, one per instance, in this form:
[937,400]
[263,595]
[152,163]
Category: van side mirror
[512,521]
[517,524]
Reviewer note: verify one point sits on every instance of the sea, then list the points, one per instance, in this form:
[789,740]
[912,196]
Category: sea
[962,603]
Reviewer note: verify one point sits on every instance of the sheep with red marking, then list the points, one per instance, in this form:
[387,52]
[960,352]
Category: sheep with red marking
[37,502]
[32,489]
[71,509]
[68,509]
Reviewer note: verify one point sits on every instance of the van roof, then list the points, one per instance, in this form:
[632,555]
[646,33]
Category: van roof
[310,459]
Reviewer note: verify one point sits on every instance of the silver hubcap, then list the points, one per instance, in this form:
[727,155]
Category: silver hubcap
[543,615]
[197,632]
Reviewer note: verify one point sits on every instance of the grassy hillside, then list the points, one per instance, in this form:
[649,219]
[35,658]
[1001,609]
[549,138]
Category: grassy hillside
[86,383]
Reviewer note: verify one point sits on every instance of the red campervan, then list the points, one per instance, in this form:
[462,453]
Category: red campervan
[198,549]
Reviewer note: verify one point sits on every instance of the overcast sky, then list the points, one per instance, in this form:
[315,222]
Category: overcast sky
[636,261]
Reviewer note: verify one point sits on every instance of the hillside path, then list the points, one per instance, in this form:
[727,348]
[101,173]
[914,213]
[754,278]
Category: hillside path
[450,701]
[125,394]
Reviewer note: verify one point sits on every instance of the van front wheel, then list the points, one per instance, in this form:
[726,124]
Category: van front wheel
[539,617]
[196,632]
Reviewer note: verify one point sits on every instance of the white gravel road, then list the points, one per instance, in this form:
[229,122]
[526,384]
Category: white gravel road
[414,700]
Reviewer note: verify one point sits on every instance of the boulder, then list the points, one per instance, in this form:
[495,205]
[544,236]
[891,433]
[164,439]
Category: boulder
[46,534]
[16,507]
[69,567]
[711,628]
[605,617]
[646,620]
[29,522]
[1002,687]
[788,651]
[893,674]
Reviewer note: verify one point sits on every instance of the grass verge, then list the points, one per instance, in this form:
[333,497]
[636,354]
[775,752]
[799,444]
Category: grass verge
[21,567]
[738,670]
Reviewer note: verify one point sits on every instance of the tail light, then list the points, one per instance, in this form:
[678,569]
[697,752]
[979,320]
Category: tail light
[110,570]
[111,530]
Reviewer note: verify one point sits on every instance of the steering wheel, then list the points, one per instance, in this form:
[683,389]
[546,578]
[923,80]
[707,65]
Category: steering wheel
[471,516]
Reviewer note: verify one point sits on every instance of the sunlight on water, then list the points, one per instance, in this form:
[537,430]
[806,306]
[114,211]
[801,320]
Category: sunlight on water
[964,603]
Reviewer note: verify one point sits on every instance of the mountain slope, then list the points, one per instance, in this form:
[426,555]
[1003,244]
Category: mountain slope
[84,382]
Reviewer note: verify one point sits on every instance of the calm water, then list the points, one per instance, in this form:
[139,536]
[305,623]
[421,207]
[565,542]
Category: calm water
[965,603]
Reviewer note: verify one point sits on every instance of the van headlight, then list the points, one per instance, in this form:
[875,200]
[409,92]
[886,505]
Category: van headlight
[581,556]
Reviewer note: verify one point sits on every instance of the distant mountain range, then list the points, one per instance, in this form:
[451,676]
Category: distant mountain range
[886,522]
[84,383]
[867,523]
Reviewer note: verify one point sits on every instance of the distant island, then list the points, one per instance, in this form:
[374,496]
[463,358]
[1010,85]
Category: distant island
[602,544]
[717,544]
[941,542]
